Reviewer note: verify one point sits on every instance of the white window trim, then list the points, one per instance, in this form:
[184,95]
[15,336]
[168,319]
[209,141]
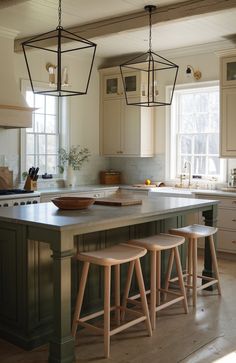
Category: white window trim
[64,124]
[170,139]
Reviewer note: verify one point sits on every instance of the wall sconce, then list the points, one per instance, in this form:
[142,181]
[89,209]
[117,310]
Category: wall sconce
[190,72]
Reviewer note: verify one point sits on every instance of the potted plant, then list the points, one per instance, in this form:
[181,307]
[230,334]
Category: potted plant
[72,160]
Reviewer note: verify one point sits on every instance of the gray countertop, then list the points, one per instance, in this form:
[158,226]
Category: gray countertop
[99,217]
[177,191]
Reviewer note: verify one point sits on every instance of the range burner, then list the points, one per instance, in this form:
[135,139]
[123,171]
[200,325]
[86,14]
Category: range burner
[14,191]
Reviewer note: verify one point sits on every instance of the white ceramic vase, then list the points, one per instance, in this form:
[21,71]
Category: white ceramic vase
[70,177]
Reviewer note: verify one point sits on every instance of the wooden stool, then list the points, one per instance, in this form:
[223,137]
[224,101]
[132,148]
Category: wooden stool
[193,232]
[113,256]
[155,244]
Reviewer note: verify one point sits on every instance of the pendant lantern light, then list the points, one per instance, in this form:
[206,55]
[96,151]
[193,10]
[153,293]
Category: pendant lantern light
[153,73]
[65,68]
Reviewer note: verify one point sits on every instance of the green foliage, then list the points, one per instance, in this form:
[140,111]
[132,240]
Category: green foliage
[75,157]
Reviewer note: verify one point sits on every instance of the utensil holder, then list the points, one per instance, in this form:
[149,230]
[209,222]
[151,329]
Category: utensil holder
[30,184]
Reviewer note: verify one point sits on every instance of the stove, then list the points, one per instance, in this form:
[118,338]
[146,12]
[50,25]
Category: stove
[14,197]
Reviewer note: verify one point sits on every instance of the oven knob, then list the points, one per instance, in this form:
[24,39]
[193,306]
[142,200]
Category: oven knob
[28,202]
[5,205]
[22,203]
[35,201]
[16,203]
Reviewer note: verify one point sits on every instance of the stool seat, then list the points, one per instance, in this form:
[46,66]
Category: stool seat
[158,242]
[194,231]
[114,255]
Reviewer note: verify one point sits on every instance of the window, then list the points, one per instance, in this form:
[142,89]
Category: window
[40,143]
[194,132]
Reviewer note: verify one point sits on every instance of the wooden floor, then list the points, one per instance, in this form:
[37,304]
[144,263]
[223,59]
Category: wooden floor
[203,336]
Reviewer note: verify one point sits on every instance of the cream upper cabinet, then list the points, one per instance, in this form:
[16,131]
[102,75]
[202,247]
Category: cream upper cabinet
[228,106]
[124,130]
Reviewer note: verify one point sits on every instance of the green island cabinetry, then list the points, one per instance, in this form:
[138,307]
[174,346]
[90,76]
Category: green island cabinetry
[39,274]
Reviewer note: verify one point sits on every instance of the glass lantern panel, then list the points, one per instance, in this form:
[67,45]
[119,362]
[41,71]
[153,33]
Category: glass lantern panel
[130,83]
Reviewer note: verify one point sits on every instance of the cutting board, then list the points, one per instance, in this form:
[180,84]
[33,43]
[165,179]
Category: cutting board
[118,201]
[6,178]
[144,185]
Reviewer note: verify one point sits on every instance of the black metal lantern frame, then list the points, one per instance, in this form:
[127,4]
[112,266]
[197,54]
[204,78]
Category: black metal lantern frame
[152,69]
[59,88]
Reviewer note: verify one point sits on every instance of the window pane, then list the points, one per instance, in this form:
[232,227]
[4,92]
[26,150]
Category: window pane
[39,123]
[51,164]
[199,165]
[41,144]
[213,144]
[29,161]
[201,102]
[214,165]
[40,103]
[42,164]
[187,124]
[51,124]
[202,124]
[51,144]
[30,144]
[200,144]
[51,103]
[186,145]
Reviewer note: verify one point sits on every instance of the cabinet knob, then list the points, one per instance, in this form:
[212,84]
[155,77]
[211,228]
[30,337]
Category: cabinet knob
[233,241]
[234,201]
[233,220]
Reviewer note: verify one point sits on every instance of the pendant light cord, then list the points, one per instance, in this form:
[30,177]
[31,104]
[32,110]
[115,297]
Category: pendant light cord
[59,14]
[150,29]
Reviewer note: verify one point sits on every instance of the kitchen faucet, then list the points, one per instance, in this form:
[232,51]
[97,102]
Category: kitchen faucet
[188,163]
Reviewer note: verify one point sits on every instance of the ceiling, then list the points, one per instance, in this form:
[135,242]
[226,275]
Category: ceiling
[30,17]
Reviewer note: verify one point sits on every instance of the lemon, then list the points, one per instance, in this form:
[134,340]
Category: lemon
[147,181]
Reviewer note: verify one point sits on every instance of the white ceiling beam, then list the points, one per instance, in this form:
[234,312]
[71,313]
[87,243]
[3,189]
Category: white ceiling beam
[139,19]
[8,3]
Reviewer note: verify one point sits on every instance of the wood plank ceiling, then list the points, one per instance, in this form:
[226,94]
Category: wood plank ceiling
[120,27]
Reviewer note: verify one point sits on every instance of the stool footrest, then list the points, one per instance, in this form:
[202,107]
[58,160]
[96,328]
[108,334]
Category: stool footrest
[169,303]
[127,325]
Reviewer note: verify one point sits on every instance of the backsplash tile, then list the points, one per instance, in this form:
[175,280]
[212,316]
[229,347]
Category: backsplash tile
[136,170]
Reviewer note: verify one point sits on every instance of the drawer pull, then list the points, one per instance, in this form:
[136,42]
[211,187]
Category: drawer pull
[233,220]
[234,242]
[234,201]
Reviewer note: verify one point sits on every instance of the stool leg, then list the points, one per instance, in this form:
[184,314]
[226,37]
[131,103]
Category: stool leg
[194,242]
[107,294]
[168,272]
[158,276]
[80,296]
[153,288]
[127,288]
[181,280]
[214,262]
[117,293]
[143,295]
[189,262]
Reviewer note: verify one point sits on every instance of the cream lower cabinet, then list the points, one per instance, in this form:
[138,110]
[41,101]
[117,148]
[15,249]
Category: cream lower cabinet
[126,130]
[226,223]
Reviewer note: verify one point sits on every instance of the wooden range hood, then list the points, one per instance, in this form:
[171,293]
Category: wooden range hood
[14,111]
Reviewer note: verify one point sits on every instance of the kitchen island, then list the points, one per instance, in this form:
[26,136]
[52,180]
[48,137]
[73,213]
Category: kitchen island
[27,235]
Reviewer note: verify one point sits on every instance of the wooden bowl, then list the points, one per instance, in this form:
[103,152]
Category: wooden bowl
[73,202]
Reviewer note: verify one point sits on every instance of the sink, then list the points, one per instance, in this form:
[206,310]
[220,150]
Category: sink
[173,191]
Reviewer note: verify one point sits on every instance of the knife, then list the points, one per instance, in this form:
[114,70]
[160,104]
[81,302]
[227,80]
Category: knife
[35,176]
[31,174]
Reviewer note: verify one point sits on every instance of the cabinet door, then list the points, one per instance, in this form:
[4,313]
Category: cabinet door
[228,71]
[112,86]
[111,127]
[228,122]
[130,129]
